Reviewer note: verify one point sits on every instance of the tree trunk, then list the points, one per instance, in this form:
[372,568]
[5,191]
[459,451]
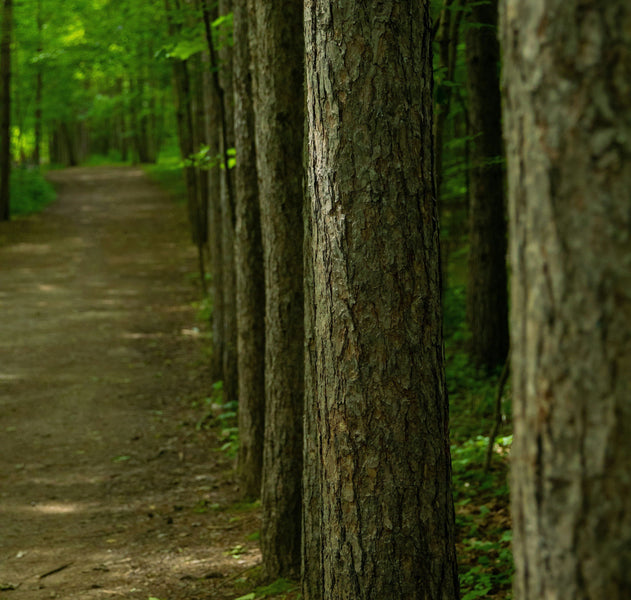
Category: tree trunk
[5,109]
[278,107]
[568,135]
[200,132]
[312,567]
[39,84]
[382,469]
[487,293]
[184,116]
[215,227]
[250,280]
[230,373]
[68,140]
[447,39]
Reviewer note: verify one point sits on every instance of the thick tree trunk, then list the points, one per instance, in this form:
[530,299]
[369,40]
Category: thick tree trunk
[5,108]
[278,107]
[487,293]
[250,280]
[382,468]
[568,133]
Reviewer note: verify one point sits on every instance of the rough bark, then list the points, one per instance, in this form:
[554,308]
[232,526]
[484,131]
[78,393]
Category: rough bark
[487,293]
[279,132]
[568,134]
[5,108]
[382,469]
[311,569]
[250,281]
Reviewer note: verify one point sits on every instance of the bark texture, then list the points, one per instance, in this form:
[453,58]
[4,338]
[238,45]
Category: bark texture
[382,463]
[311,501]
[487,293]
[250,281]
[279,114]
[6,26]
[568,133]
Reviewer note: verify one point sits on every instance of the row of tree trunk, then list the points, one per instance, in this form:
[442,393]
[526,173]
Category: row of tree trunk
[368,388]
[326,286]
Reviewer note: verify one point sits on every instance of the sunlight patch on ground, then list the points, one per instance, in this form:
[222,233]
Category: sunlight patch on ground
[48,508]
[27,248]
[141,336]
[8,377]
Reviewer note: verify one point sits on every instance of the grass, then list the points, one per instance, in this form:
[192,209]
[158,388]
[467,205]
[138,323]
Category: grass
[30,192]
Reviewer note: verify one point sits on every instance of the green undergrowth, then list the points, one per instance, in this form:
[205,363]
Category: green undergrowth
[105,160]
[483,526]
[30,192]
[216,412]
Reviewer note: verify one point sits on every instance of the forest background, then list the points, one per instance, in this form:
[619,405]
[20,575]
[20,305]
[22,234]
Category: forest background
[159,83]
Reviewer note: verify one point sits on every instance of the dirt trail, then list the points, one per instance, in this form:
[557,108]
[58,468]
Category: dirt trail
[102,473]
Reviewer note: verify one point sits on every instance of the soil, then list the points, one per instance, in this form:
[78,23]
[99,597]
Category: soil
[107,486]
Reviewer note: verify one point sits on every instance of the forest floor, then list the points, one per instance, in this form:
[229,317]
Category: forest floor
[107,486]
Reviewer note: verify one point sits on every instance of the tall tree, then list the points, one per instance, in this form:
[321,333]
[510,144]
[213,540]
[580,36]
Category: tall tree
[186,135]
[39,87]
[230,373]
[278,48]
[5,108]
[250,281]
[487,292]
[568,132]
[381,464]
[447,36]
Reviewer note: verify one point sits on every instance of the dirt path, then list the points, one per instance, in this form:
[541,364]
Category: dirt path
[103,476]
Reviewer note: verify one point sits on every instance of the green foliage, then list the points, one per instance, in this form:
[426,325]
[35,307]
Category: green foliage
[202,159]
[482,519]
[98,160]
[223,415]
[30,192]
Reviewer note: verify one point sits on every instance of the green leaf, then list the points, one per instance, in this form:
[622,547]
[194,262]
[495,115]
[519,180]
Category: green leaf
[187,48]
